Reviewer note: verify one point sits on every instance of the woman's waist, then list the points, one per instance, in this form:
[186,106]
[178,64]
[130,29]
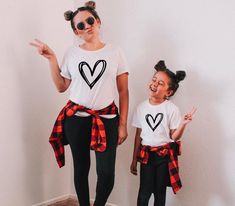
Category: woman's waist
[85,114]
[93,104]
[106,110]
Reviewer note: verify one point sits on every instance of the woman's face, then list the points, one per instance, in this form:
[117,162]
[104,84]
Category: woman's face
[87,27]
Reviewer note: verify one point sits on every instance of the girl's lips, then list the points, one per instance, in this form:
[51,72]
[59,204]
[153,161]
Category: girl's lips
[152,90]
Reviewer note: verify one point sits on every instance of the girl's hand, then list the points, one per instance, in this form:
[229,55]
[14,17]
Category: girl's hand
[189,116]
[133,167]
[122,134]
[43,49]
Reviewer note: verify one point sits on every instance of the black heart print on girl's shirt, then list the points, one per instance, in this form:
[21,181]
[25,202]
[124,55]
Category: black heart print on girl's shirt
[154,122]
[92,75]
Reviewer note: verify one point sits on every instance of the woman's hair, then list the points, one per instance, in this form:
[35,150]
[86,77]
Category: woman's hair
[89,6]
[175,78]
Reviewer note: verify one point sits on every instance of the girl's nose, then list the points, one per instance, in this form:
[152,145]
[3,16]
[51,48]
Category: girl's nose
[155,84]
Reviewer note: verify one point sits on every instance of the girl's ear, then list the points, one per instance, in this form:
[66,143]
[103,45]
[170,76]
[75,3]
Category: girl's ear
[169,93]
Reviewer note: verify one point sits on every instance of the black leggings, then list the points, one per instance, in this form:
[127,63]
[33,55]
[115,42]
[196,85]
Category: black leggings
[78,132]
[154,178]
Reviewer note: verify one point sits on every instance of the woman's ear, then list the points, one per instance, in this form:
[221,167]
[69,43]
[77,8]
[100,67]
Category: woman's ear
[98,22]
[75,32]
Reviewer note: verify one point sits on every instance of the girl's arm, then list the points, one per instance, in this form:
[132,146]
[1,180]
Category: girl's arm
[122,86]
[60,82]
[133,167]
[176,134]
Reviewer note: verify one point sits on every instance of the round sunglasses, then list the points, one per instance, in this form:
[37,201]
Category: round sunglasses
[81,25]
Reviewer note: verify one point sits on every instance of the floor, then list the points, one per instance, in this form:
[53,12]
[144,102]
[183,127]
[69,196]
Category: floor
[68,202]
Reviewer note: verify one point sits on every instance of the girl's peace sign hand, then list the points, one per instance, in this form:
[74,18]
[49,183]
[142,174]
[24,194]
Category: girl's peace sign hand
[189,116]
[43,49]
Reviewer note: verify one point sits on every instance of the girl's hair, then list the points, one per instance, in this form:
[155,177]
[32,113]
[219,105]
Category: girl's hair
[175,78]
[89,6]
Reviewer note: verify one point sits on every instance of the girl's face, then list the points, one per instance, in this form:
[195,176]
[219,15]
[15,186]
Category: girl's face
[159,86]
[87,27]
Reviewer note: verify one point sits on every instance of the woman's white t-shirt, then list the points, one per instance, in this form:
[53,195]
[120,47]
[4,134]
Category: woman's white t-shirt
[93,74]
[156,121]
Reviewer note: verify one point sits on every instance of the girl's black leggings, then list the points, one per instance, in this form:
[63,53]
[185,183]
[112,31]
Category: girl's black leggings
[78,132]
[154,178]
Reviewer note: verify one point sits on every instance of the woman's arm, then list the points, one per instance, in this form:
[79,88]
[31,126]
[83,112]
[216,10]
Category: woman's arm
[133,167]
[60,82]
[122,86]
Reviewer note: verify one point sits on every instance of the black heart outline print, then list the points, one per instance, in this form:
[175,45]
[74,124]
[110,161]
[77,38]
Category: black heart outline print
[92,71]
[154,120]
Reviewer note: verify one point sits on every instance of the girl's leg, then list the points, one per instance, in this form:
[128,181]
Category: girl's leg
[146,184]
[161,180]
[105,163]
[78,132]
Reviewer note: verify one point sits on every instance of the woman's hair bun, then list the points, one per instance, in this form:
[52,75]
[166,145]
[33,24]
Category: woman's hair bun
[180,75]
[160,65]
[68,15]
[90,4]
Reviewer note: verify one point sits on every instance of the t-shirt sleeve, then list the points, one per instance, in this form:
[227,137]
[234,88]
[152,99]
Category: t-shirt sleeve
[122,63]
[175,118]
[65,67]
[135,120]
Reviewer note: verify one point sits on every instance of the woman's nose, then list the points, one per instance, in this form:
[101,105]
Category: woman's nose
[87,26]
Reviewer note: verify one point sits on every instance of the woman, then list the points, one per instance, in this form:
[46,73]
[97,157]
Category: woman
[93,70]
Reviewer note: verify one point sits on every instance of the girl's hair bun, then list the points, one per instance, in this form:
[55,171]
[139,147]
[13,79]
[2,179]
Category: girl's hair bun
[90,4]
[160,65]
[68,15]
[180,75]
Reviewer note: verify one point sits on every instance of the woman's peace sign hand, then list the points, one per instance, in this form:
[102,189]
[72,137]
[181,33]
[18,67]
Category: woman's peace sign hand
[43,49]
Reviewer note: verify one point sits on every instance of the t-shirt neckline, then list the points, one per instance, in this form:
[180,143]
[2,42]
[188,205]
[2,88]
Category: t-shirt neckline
[93,51]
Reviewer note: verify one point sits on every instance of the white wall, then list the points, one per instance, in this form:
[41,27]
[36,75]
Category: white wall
[193,35]
[29,102]
[197,36]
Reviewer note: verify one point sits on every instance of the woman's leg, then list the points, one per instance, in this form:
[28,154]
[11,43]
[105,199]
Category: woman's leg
[105,163]
[78,132]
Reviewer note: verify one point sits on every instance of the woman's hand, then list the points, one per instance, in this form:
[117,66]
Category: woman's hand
[43,49]
[133,167]
[122,133]
[60,82]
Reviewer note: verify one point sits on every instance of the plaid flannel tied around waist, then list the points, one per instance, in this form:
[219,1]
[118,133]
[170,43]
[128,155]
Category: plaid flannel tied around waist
[172,149]
[98,136]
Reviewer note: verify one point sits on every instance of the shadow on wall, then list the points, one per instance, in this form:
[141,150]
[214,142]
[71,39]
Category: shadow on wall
[35,120]
[204,148]
[35,97]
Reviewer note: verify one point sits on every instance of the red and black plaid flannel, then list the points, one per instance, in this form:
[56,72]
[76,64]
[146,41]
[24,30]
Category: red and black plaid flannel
[98,136]
[172,149]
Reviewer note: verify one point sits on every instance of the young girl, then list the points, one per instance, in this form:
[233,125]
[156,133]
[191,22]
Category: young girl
[159,127]
[90,119]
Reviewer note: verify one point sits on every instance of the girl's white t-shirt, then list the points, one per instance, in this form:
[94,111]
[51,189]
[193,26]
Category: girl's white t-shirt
[156,121]
[93,74]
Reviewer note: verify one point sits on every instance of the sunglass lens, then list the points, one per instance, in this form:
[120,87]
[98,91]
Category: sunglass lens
[90,20]
[81,26]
